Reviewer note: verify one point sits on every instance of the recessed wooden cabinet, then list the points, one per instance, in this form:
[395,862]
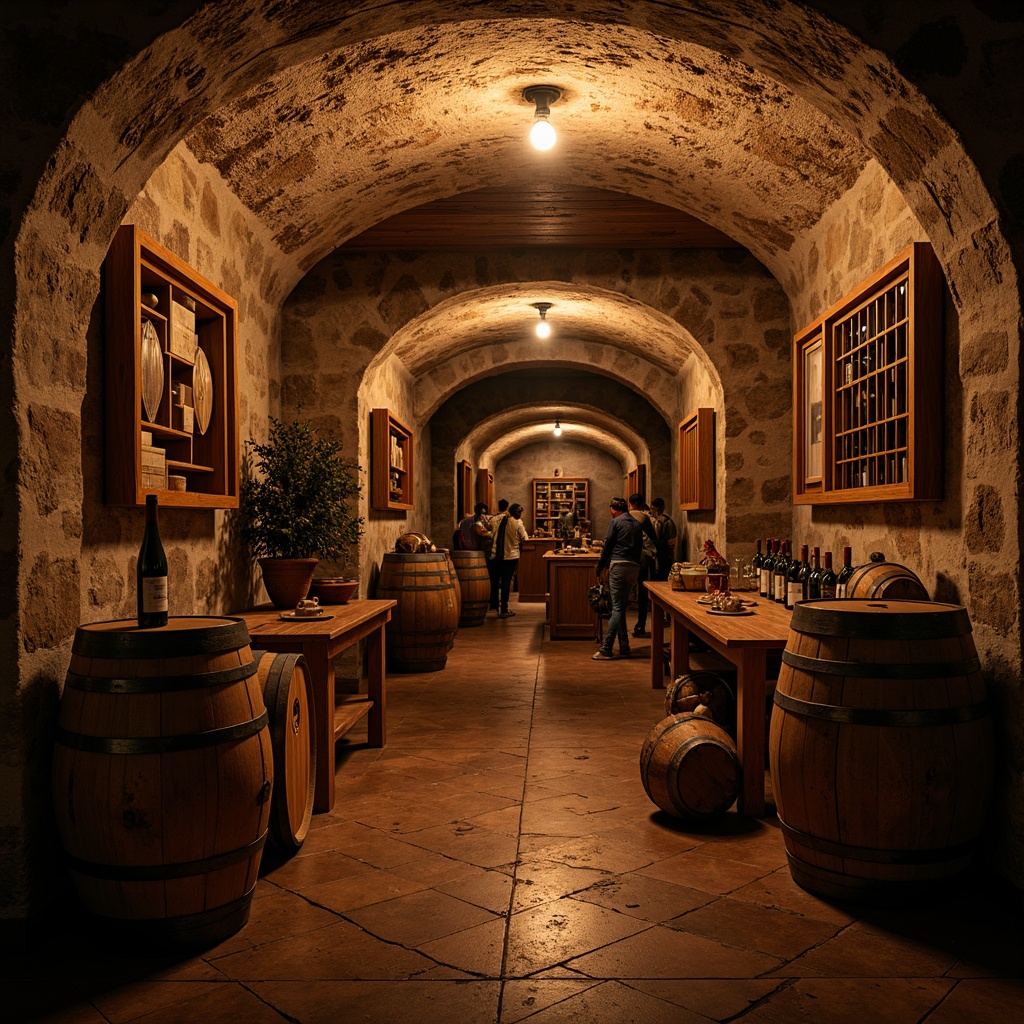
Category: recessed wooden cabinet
[392,462]
[485,489]
[464,487]
[171,380]
[553,496]
[867,388]
[697,461]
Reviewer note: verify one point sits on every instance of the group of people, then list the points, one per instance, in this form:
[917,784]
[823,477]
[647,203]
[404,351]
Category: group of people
[639,545]
[499,537]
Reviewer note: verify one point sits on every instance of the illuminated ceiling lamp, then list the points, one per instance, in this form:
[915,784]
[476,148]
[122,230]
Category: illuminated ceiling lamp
[543,328]
[558,429]
[542,135]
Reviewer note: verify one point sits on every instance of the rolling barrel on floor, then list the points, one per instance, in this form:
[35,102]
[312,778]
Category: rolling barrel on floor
[426,615]
[471,569]
[689,767]
[288,694]
[162,777]
[880,747]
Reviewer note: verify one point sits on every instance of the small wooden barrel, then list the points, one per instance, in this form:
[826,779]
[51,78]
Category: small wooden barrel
[880,747]
[162,777]
[471,569]
[426,616]
[288,694]
[885,580]
[703,689]
[689,767]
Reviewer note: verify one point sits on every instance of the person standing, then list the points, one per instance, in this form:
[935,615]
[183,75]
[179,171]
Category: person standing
[665,528]
[638,509]
[507,538]
[492,563]
[475,530]
[620,555]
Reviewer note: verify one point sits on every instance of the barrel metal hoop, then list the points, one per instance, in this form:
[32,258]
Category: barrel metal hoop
[161,744]
[161,872]
[829,618]
[159,684]
[876,856]
[391,588]
[882,716]
[886,670]
[167,642]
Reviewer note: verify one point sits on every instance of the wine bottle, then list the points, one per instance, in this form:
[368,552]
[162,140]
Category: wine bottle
[805,572]
[767,564]
[828,578]
[844,574]
[794,588]
[814,580]
[151,573]
[780,572]
[755,565]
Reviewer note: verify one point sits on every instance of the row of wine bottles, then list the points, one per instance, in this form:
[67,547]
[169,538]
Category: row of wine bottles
[787,579]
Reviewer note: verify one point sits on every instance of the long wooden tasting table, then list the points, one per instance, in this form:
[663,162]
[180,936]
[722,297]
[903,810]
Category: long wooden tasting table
[321,641]
[745,640]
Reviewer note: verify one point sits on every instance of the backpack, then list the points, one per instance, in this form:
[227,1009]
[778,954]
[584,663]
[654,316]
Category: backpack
[649,550]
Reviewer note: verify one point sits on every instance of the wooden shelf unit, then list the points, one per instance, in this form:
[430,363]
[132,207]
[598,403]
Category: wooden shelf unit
[697,461]
[138,265]
[867,387]
[554,495]
[392,461]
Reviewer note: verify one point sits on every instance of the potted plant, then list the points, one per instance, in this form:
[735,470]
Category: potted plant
[296,506]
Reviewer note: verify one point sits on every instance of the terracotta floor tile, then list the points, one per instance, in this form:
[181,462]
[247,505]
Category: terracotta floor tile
[983,1001]
[715,998]
[477,950]
[491,890]
[712,874]
[419,917]
[643,897]
[521,999]
[354,891]
[481,846]
[182,1000]
[542,881]
[615,1003]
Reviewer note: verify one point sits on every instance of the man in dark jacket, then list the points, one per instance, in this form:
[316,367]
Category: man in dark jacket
[620,555]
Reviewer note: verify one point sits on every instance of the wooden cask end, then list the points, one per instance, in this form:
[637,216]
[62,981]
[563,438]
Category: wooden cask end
[689,767]
[880,747]
[885,580]
[287,689]
[426,616]
[471,570]
[162,777]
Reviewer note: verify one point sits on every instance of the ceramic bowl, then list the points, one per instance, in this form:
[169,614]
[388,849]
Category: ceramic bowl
[333,590]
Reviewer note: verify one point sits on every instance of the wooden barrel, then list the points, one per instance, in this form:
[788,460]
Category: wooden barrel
[471,569]
[458,590]
[426,616]
[689,767]
[287,689]
[162,777]
[880,747]
[885,580]
[708,690]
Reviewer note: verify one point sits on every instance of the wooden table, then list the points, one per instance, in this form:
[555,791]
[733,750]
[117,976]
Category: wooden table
[321,642]
[745,640]
[570,577]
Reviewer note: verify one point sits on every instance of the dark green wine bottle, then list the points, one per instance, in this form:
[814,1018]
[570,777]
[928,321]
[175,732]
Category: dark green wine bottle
[151,573]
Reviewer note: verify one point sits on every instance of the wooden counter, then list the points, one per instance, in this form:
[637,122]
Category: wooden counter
[532,571]
[570,616]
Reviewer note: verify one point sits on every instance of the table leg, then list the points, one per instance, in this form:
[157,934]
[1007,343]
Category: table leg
[750,688]
[376,729]
[321,668]
[680,659]
[657,645]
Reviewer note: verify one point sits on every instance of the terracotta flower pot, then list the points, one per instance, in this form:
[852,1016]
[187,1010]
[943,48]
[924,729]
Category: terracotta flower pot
[287,579]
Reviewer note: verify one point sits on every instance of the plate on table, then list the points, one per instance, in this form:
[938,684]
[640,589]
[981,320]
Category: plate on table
[719,611]
[292,617]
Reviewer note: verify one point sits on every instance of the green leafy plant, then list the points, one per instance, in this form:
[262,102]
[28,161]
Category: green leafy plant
[297,497]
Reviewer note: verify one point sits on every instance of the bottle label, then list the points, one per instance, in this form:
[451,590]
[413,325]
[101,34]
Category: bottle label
[795,592]
[780,589]
[154,594]
[841,590]
[763,583]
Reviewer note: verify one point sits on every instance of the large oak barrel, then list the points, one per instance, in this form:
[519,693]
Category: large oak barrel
[287,689]
[689,767]
[471,569]
[162,777]
[880,579]
[426,615]
[880,747]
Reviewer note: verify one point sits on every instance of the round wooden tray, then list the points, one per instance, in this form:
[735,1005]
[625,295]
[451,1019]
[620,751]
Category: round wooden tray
[202,391]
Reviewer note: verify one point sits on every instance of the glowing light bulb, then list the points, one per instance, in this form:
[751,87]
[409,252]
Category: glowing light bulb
[542,135]
[558,429]
[543,329]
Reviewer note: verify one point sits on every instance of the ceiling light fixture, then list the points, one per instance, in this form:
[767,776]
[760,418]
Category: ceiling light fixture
[542,135]
[558,429]
[543,329]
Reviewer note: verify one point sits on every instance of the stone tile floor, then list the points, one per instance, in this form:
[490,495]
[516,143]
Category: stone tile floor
[499,861]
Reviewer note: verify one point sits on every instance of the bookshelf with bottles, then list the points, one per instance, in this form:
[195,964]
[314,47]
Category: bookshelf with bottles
[554,496]
[392,454]
[868,390]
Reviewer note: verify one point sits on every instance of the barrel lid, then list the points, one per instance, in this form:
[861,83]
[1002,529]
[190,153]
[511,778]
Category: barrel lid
[884,619]
[183,635]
